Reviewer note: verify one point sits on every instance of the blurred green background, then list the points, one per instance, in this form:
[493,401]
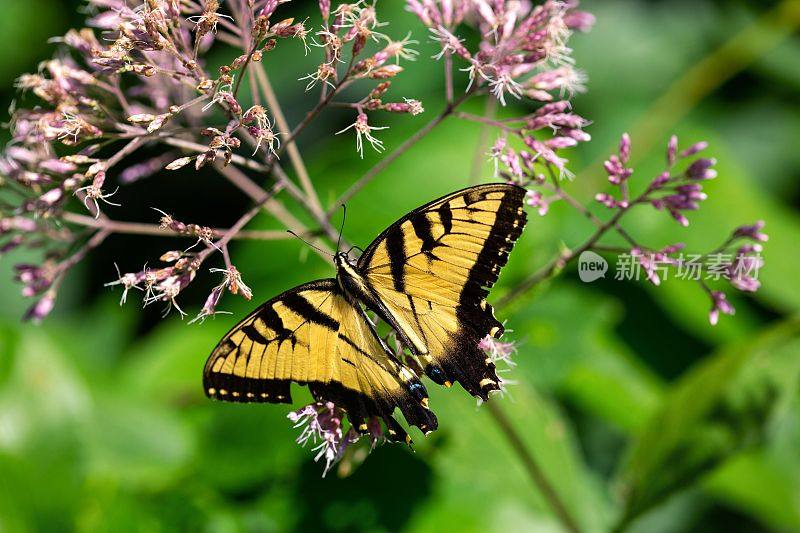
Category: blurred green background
[624,393]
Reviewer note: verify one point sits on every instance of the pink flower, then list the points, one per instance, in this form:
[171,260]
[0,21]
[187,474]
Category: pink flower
[321,424]
[752,232]
[498,350]
[362,128]
[38,311]
[535,199]
[719,304]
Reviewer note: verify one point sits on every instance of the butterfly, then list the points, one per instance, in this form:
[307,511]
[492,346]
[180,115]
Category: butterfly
[427,276]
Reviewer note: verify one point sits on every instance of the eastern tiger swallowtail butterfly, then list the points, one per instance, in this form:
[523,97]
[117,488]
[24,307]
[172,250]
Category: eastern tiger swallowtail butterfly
[427,275]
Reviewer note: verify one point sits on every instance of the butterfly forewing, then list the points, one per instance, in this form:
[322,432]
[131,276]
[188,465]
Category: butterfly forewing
[432,270]
[314,335]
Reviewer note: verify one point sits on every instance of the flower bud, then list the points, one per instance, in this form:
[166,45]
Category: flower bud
[38,311]
[141,118]
[701,169]
[672,150]
[205,86]
[158,122]
[379,90]
[179,163]
[625,148]
[171,256]
[693,149]
[384,72]
[51,197]
[752,232]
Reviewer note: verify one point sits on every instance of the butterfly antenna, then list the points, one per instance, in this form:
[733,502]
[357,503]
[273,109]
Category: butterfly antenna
[317,248]
[355,247]
[341,228]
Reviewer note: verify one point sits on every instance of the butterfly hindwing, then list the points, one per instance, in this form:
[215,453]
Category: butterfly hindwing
[431,271]
[314,335]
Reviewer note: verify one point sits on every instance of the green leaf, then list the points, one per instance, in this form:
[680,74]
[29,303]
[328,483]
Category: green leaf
[475,464]
[136,444]
[42,401]
[567,344]
[23,39]
[168,364]
[762,485]
[9,337]
[711,412]
[615,387]
[766,481]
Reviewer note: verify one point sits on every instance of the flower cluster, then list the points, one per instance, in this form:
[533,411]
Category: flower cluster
[523,52]
[674,192]
[523,49]
[343,37]
[137,78]
[166,283]
[678,190]
[322,424]
[500,352]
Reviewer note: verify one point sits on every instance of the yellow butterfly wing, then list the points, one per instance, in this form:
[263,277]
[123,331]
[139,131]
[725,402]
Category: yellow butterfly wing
[431,271]
[314,335]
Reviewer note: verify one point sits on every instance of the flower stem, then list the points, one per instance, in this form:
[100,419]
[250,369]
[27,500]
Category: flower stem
[222,243]
[486,120]
[572,201]
[291,145]
[247,217]
[200,148]
[560,261]
[532,467]
[448,77]
[139,228]
[277,209]
[483,138]
[126,150]
[245,69]
[93,242]
[256,192]
[311,115]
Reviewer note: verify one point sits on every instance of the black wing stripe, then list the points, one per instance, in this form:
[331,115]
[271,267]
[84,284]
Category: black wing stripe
[422,227]
[446,217]
[359,404]
[273,321]
[254,335]
[494,255]
[361,351]
[416,317]
[395,245]
[309,312]
[481,223]
[353,345]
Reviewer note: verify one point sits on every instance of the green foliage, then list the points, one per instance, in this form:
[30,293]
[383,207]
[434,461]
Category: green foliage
[715,410]
[640,413]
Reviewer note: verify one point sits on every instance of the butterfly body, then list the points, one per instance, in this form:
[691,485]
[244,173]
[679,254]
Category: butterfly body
[358,287]
[352,282]
[427,276]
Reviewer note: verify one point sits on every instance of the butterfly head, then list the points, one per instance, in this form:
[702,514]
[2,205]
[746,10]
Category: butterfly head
[341,259]
[350,280]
